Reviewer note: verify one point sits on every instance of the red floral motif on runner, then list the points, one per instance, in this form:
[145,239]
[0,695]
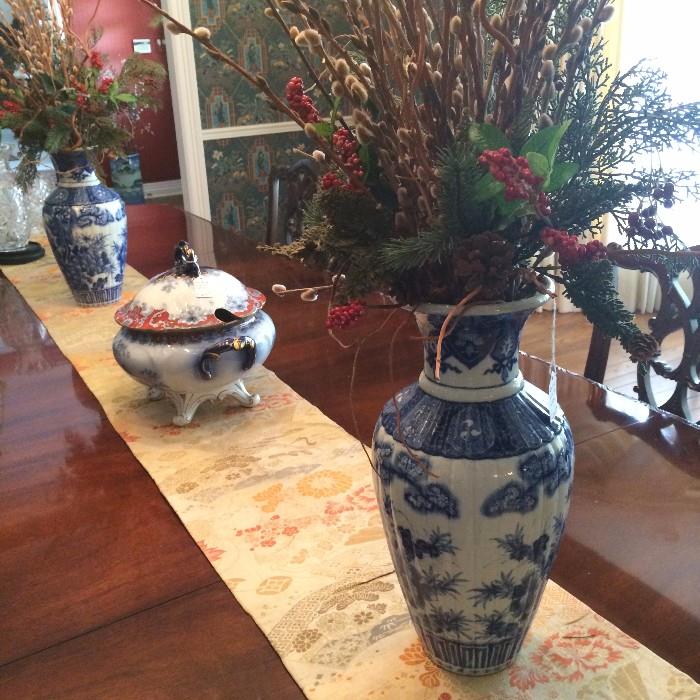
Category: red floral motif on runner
[569,657]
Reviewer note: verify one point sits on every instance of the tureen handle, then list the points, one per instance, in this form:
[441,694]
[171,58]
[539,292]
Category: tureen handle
[186,260]
[240,344]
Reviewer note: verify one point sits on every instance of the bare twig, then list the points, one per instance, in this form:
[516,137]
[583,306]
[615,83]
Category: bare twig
[455,311]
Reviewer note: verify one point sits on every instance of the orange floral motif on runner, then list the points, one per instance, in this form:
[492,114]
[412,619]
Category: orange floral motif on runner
[270,497]
[414,656]
[324,483]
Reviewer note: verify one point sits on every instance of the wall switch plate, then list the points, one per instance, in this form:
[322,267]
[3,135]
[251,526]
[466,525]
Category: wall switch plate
[142,46]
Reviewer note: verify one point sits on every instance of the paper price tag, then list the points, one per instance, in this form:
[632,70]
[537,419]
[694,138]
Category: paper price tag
[201,288]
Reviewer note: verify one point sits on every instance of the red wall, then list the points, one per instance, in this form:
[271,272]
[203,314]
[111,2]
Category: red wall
[122,21]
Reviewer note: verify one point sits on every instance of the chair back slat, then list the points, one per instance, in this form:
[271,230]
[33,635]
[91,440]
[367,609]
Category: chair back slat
[290,188]
[678,311]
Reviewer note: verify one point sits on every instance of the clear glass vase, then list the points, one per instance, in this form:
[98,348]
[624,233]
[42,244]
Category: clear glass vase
[34,199]
[14,232]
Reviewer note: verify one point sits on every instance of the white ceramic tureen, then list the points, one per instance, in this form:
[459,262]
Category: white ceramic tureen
[192,333]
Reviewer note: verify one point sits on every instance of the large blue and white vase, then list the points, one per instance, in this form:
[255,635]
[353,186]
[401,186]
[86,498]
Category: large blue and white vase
[473,479]
[85,223]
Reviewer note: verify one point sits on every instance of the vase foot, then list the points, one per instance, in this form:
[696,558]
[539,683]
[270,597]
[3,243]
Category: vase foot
[473,672]
[470,658]
[101,297]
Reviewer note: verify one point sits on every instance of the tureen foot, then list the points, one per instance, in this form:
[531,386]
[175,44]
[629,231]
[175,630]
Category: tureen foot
[186,405]
[155,393]
[238,392]
[182,419]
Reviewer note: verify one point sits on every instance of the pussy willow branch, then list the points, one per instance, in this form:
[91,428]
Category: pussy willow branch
[258,81]
[39,44]
[576,59]
[471,41]
[263,86]
[307,63]
[92,19]
[495,33]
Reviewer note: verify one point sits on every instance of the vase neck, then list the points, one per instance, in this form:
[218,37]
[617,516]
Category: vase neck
[479,354]
[73,169]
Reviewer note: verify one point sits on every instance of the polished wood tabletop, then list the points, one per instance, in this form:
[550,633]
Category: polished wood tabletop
[103,593]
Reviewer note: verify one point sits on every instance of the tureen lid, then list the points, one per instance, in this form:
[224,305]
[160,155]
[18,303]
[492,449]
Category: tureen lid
[189,297]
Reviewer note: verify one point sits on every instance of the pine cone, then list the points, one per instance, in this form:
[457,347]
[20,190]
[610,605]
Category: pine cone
[643,347]
[484,260]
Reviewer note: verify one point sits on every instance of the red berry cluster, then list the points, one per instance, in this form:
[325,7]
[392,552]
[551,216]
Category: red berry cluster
[9,107]
[569,249]
[346,146]
[96,60]
[514,173]
[301,103]
[330,181]
[544,205]
[345,315]
[105,85]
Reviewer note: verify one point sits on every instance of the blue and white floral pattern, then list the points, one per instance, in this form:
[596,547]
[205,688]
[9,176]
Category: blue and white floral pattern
[86,227]
[473,494]
[545,469]
[420,493]
[473,340]
[472,430]
[170,363]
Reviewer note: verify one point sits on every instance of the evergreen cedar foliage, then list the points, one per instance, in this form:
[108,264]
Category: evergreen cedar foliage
[56,93]
[485,136]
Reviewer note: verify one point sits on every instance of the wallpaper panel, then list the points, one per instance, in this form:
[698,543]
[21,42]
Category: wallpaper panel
[238,171]
[237,168]
[241,29]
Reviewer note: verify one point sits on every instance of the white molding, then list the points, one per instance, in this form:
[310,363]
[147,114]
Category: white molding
[164,188]
[188,125]
[238,132]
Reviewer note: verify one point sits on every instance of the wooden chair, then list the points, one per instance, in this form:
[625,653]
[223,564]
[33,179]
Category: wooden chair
[289,191]
[677,312]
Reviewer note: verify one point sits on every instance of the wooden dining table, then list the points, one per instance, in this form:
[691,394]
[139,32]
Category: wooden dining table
[104,594]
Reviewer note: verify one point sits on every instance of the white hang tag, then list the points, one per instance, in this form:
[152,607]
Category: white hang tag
[552,403]
[201,288]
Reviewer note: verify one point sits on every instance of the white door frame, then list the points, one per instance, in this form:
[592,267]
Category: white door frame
[188,124]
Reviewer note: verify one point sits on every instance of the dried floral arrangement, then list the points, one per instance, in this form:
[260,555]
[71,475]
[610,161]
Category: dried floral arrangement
[481,138]
[55,92]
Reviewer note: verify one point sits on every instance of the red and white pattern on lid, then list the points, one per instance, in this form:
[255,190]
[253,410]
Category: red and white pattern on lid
[137,317]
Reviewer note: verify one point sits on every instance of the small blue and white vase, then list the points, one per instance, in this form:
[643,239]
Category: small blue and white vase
[86,226]
[127,179]
[473,480]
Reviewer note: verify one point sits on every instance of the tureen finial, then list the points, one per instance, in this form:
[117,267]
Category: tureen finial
[186,260]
